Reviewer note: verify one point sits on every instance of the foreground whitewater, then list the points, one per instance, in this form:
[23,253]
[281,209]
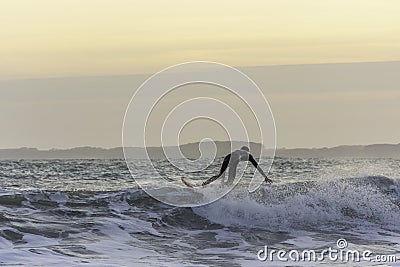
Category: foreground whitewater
[91,213]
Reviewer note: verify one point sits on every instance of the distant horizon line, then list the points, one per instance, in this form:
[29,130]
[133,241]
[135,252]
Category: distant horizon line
[150,73]
[115,147]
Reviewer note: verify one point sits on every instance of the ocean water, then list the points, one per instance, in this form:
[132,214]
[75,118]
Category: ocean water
[92,213]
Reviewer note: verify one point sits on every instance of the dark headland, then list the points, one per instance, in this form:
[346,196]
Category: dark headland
[191,150]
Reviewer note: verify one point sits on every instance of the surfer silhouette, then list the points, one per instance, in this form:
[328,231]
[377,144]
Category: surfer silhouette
[232,160]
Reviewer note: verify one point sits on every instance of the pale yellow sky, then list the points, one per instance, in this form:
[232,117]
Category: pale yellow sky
[313,105]
[46,38]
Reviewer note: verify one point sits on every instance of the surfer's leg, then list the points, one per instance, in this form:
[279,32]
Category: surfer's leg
[225,165]
[232,173]
[223,168]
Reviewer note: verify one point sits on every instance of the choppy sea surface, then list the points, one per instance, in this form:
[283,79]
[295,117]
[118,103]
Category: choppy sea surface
[92,213]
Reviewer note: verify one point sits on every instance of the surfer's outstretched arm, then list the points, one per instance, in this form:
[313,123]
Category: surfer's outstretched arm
[254,162]
[223,169]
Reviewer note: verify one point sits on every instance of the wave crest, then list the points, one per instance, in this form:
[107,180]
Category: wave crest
[307,205]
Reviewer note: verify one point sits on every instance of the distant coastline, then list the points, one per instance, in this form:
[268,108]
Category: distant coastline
[191,151]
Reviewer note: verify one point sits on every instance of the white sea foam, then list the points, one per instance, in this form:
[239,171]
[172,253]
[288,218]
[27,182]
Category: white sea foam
[328,203]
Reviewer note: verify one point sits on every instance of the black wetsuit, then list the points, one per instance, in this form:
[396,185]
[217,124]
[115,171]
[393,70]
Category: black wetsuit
[232,160]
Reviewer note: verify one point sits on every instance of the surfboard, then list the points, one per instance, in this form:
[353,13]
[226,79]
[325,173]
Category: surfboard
[186,182]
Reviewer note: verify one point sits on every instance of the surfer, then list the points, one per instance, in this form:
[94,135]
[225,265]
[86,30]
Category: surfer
[232,160]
